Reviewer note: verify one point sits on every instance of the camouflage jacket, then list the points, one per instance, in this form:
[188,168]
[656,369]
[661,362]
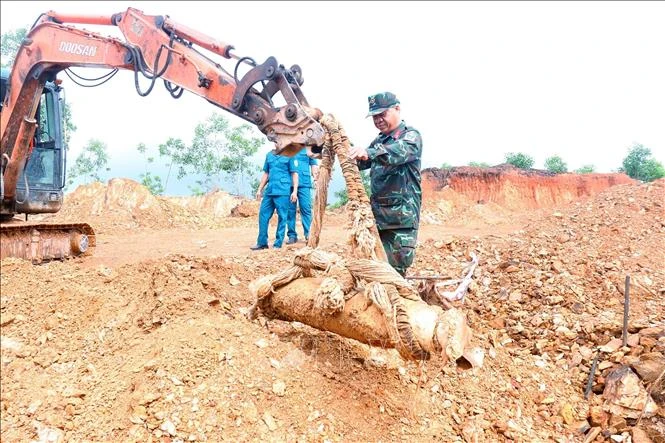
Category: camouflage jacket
[394,163]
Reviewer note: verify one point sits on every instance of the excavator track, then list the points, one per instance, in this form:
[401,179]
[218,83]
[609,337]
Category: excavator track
[40,242]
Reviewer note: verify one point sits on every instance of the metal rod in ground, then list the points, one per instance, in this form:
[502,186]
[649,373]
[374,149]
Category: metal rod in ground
[592,372]
[626,307]
[432,277]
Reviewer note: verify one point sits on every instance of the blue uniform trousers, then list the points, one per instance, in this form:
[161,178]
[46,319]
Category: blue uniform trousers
[305,203]
[269,205]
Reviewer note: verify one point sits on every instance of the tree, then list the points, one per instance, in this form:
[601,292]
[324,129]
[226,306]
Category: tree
[150,181]
[343,196]
[586,169]
[639,164]
[90,161]
[10,42]
[153,183]
[174,148]
[165,149]
[254,185]
[556,164]
[68,126]
[446,166]
[519,160]
[240,148]
[479,164]
[217,149]
[653,170]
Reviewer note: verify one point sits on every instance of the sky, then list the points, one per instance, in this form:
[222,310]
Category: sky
[581,80]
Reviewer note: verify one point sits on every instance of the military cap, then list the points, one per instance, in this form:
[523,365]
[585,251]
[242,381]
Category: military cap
[380,102]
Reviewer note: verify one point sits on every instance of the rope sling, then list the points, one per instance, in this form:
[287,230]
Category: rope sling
[360,296]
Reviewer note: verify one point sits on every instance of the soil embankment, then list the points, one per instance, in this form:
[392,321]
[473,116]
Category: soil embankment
[492,195]
[517,189]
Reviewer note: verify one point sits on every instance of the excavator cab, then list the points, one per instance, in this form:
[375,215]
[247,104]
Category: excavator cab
[39,188]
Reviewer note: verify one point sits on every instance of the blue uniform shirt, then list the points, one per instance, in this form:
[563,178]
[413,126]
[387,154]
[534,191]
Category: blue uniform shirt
[279,169]
[303,163]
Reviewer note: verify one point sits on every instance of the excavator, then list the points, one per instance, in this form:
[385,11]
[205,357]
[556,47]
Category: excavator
[32,153]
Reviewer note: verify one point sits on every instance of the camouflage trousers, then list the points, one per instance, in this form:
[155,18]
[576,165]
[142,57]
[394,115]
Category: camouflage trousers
[400,247]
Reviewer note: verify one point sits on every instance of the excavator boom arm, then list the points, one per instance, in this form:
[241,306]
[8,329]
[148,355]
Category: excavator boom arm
[159,48]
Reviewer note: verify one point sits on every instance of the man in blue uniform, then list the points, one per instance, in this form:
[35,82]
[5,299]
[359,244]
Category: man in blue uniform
[279,178]
[307,171]
[393,159]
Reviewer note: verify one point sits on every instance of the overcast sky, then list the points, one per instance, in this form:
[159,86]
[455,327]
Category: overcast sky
[583,80]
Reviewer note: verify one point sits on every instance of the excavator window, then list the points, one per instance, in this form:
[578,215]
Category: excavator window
[42,168]
[46,126]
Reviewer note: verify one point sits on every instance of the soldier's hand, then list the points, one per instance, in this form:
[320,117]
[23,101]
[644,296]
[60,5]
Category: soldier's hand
[358,153]
[258,194]
[294,196]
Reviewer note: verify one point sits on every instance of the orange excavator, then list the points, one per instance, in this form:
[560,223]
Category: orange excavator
[33,157]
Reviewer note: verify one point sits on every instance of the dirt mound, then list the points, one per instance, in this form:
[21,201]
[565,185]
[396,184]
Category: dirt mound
[217,204]
[248,208]
[162,350]
[490,195]
[119,204]
[124,204]
[451,207]
[553,293]
[111,343]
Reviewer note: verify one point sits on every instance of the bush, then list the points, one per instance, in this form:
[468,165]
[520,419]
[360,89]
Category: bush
[479,164]
[586,169]
[519,160]
[556,164]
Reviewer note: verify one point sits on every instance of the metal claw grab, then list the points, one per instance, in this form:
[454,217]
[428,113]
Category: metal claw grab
[292,126]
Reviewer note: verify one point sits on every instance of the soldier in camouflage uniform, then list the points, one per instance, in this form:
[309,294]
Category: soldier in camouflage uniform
[394,162]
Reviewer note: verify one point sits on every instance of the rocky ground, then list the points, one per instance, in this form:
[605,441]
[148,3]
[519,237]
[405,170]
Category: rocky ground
[155,346]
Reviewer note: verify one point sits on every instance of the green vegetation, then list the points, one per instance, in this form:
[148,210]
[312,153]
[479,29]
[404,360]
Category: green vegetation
[556,165]
[68,126]
[343,197]
[520,160]
[639,164]
[586,169]
[90,162]
[10,41]
[254,185]
[151,181]
[217,149]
